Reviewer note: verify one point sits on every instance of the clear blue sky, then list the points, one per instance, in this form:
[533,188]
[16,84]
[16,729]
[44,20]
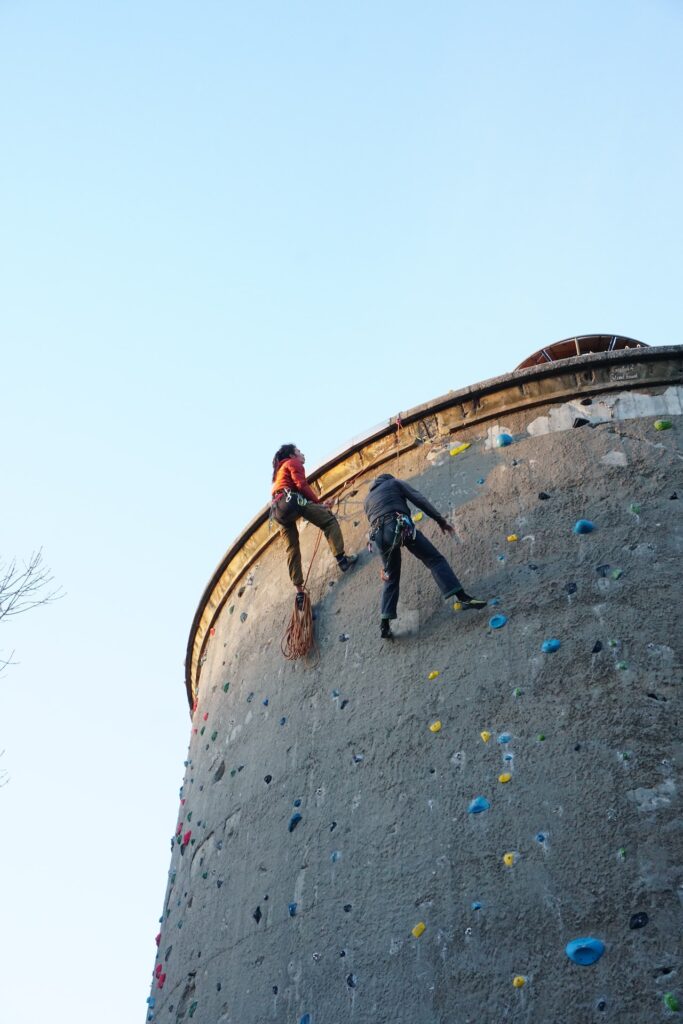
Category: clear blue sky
[225,226]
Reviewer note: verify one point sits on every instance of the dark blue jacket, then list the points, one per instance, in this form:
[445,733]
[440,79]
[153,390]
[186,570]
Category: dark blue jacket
[387,495]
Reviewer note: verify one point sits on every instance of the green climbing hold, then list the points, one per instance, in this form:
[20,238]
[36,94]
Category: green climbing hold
[193,1007]
[205,874]
[663,424]
[671,1001]
[621,665]
[226,687]
[213,736]
[541,736]
[621,853]
[634,508]
[516,692]
[612,643]
[202,730]
[616,574]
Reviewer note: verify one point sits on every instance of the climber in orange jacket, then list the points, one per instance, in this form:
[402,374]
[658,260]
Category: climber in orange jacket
[293,497]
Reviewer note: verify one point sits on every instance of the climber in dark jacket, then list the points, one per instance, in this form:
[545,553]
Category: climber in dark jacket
[392,528]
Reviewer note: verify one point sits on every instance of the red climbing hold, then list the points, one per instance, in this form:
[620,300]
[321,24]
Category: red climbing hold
[187,837]
[158,939]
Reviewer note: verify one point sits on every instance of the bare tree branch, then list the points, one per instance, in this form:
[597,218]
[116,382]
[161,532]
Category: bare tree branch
[26,586]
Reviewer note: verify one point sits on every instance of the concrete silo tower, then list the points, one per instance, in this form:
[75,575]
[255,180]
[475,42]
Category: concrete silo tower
[391,899]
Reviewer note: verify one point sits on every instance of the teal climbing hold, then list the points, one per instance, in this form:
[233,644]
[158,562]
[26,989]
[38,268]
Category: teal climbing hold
[585,951]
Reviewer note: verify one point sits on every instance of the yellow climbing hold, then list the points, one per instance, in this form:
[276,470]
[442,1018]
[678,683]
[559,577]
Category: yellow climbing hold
[435,726]
[460,448]
[418,929]
[508,860]
[512,537]
[485,735]
[457,607]
[418,516]
[518,981]
[433,675]
[505,777]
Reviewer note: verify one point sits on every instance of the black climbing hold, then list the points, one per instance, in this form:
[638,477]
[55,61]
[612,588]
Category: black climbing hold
[292,909]
[342,952]
[250,697]
[432,771]
[343,704]
[257,915]
[220,772]
[532,565]
[274,990]
[597,647]
[218,986]
[347,908]
[673,497]
[586,401]
[570,588]
[294,821]
[543,496]
[577,746]
[638,920]
[579,421]
[602,1005]
[219,882]
[656,697]
[602,570]
[243,617]
[333,826]
[351,980]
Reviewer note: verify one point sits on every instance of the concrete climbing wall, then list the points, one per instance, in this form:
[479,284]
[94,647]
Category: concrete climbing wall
[339,856]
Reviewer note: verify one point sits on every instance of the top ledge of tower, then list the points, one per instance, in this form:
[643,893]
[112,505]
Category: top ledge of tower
[580,345]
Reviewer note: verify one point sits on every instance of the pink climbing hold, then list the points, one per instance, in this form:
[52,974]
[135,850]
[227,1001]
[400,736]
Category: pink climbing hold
[160,982]
[206,716]
[212,631]
[158,939]
[187,837]
[179,828]
[158,969]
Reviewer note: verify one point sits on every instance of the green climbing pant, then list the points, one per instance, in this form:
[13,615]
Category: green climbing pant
[325,521]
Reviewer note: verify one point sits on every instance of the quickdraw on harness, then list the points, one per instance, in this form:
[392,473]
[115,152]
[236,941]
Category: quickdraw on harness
[404,530]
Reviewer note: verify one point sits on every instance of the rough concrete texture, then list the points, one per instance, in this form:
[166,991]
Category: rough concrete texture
[266,919]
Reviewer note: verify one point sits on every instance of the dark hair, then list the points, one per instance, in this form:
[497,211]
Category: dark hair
[285,451]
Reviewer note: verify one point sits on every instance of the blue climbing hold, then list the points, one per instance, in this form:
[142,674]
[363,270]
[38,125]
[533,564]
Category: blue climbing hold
[503,440]
[585,951]
[494,602]
[297,802]
[479,804]
[265,703]
[508,757]
[335,694]
[335,856]
[548,646]
[282,721]
[476,905]
[498,621]
[501,558]
[306,1019]
[541,837]
[505,737]
[480,480]
[292,909]
[294,821]
[151,1001]
[583,526]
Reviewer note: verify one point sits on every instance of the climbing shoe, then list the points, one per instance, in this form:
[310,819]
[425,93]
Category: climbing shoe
[465,602]
[300,600]
[385,630]
[346,561]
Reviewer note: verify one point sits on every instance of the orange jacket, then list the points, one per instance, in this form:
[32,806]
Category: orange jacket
[290,474]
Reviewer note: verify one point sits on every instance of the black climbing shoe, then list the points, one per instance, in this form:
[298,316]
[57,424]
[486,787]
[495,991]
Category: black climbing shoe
[300,600]
[346,561]
[385,630]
